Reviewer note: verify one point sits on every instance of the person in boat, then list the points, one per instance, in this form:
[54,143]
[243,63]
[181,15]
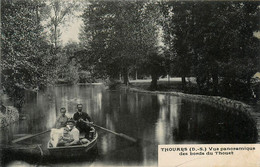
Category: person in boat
[62,119]
[81,118]
[70,134]
[65,137]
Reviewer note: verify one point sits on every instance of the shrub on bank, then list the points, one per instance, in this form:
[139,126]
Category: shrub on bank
[112,84]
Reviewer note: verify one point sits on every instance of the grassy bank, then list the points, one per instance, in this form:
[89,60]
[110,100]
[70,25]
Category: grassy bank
[164,84]
[175,85]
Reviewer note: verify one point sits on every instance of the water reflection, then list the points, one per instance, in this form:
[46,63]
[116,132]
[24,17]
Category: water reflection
[153,119]
[204,124]
[168,118]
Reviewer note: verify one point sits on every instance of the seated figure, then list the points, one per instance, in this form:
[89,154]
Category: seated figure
[62,119]
[65,138]
[72,137]
[81,119]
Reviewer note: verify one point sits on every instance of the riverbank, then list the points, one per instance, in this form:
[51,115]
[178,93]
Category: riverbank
[215,101]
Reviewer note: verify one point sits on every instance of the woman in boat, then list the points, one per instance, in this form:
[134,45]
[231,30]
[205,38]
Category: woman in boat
[62,119]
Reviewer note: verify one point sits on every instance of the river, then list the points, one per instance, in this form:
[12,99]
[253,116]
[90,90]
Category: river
[152,119]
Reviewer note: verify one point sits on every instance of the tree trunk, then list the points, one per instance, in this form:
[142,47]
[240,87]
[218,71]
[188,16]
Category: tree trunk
[125,76]
[199,84]
[249,88]
[214,71]
[215,83]
[248,82]
[37,13]
[154,85]
[18,100]
[55,37]
[207,83]
[183,81]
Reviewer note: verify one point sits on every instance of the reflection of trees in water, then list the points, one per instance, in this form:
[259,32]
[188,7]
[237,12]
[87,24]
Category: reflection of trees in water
[118,115]
[167,118]
[155,119]
[201,123]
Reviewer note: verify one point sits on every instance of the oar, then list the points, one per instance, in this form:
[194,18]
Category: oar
[115,133]
[20,147]
[30,136]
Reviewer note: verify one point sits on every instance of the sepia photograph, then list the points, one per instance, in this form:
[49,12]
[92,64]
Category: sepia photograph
[129,83]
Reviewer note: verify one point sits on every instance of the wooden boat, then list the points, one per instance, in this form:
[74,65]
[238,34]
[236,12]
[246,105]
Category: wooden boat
[75,150]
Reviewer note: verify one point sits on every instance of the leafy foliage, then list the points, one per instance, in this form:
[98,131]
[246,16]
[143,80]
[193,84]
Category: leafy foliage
[23,47]
[121,37]
[57,13]
[213,40]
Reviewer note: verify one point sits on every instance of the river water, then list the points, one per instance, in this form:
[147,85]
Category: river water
[152,119]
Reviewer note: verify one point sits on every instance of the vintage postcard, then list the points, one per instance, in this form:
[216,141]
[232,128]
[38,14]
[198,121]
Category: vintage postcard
[130,83]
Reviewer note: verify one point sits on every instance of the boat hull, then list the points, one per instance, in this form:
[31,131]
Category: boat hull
[73,151]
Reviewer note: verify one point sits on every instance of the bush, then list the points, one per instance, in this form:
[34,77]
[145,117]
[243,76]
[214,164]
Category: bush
[235,89]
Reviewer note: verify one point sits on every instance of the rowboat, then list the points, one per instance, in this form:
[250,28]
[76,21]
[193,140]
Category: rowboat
[75,150]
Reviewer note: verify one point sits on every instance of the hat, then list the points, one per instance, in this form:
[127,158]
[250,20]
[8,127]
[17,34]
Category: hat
[63,110]
[79,105]
[71,120]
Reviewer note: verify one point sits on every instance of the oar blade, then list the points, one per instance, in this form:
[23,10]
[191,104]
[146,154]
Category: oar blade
[29,136]
[128,137]
[115,133]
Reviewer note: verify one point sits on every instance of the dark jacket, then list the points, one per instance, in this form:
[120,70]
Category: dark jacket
[83,115]
[81,125]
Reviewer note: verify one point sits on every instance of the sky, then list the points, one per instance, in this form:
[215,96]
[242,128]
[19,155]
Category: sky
[71,32]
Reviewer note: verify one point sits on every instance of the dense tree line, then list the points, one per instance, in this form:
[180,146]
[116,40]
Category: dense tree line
[214,42]
[211,41]
[32,55]
[122,36]
[23,47]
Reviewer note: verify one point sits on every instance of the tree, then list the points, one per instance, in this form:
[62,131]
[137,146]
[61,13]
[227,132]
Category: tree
[217,37]
[177,25]
[152,60]
[22,49]
[67,64]
[120,36]
[107,26]
[57,13]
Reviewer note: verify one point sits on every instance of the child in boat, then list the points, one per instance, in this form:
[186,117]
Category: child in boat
[59,137]
[73,133]
[65,138]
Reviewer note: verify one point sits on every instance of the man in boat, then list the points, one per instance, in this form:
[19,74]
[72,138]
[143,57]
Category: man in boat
[81,118]
[62,119]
